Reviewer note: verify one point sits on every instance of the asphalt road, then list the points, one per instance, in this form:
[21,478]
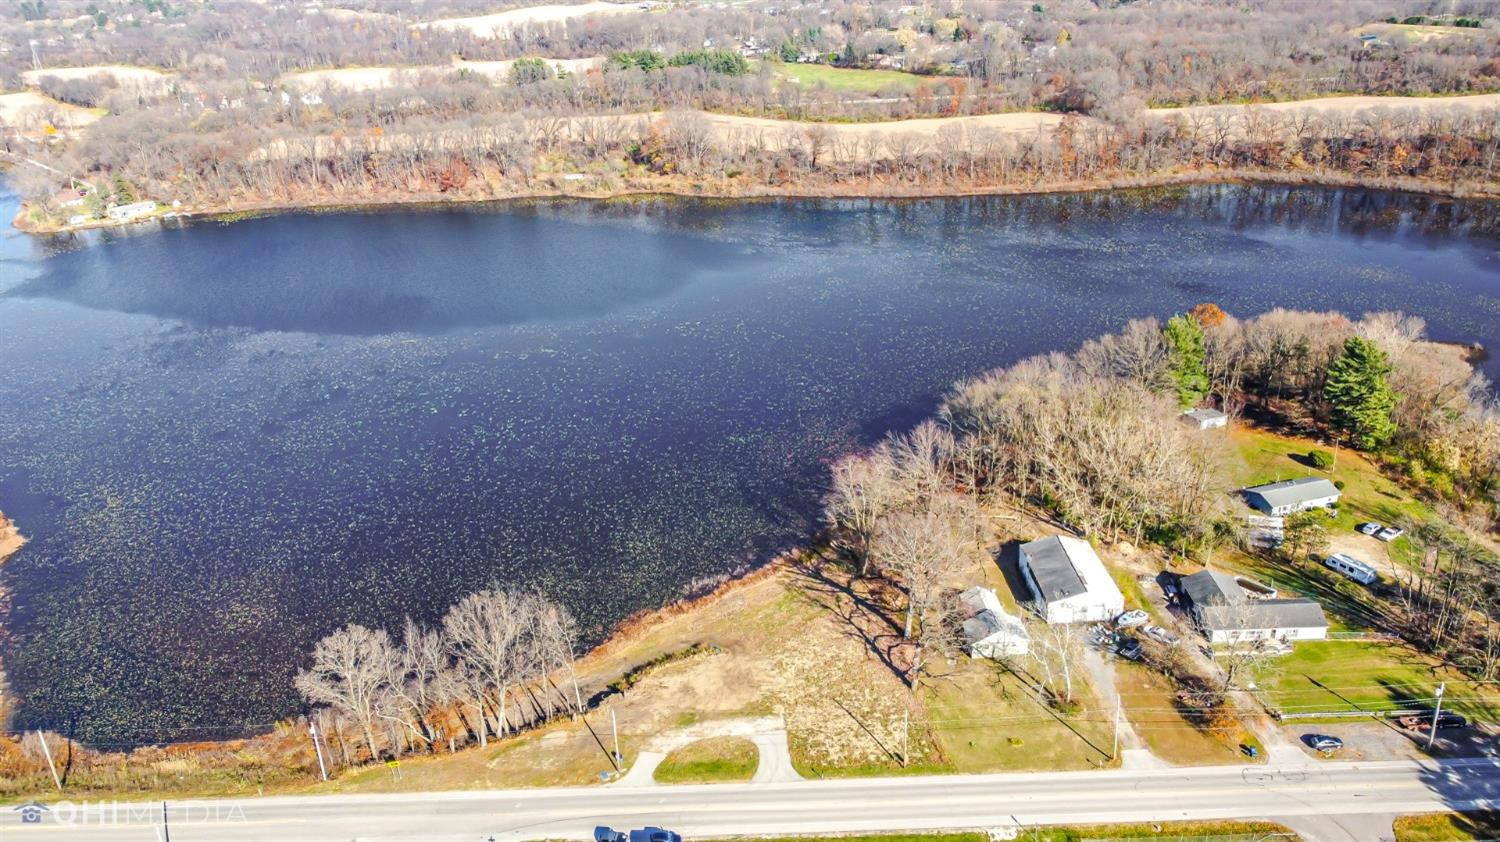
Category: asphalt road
[873,804]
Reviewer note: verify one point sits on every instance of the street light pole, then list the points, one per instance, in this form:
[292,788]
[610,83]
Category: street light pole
[1436,709]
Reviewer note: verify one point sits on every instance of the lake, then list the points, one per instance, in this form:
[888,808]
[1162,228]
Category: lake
[226,440]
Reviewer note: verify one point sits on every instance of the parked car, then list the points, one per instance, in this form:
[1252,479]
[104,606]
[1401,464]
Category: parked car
[1390,533]
[1129,648]
[1159,634]
[1131,619]
[1323,742]
[609,834]
[654,834]
[1369,528]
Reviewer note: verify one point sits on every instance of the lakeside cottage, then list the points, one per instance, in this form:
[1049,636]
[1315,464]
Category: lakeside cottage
[1291,496]
[1225,613]
[1205,419]
[1069,582]
[990,632]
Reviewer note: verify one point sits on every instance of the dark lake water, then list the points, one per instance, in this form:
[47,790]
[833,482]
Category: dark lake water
[224,441]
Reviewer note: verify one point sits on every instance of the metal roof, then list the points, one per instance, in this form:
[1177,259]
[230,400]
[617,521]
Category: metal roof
[1052,569]
[1293,492]
[1265,614]
[1210,587]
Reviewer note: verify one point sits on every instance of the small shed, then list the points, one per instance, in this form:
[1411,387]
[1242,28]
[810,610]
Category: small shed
[1293,495]
[989,632]
[1205,419]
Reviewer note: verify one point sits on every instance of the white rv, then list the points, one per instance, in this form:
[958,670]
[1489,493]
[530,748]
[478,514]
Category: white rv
[1353,568]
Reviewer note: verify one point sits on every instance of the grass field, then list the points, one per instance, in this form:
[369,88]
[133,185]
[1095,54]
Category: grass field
[1148,701]
[1168,830]
[985,719]
[848,79]
[1338,675]
[715,760]
[1448,827]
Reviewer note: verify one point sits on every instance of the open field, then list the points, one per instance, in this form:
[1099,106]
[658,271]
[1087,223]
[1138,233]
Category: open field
[845,78]
[359,79]
[1448,827]
[712,760]
[1169,830]
[28,110]
[146,79]
[1339,675]
[1418,32]
[497,25]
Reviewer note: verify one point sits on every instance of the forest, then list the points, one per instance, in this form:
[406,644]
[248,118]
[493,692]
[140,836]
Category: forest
[235,104]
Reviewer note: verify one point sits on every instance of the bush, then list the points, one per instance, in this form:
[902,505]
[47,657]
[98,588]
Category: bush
[1320,459]
[1339,484]
[524,71]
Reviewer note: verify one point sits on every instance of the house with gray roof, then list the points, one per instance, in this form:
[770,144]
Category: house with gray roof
[1226,613]
[989,631]
[1292,495]
[1068,581]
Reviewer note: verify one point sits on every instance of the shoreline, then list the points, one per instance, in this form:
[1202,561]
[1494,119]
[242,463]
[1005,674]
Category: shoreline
[238,212]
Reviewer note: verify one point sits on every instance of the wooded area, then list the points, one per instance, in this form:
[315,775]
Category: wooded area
[229,124]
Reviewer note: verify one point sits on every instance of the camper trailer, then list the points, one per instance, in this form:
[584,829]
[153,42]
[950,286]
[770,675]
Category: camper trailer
[1353,568]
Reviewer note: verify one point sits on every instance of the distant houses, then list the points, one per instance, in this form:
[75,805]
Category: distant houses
[990,632]
[1225,613]
[1069,582]
[1205,419]
[1291,496]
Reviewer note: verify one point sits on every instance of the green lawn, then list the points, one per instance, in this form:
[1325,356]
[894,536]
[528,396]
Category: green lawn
[1169,830]
[714,760]
[1337,675]
[848,79]
[1448,827]
[984,718]
[1368,494]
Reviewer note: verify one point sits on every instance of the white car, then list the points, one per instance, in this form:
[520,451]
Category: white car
[1131,619]
[1390,533]
[1369,528]
[1159,634]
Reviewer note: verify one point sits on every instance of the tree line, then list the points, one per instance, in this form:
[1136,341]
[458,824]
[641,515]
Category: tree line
[499,661]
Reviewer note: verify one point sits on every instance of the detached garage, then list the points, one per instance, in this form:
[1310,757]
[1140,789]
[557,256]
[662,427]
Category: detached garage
[1069,582]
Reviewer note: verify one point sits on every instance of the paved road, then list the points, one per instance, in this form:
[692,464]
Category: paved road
[876,804]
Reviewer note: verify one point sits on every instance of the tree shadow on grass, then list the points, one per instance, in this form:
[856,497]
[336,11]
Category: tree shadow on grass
[862,607]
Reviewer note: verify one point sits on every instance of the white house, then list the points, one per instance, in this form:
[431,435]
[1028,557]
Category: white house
[1205,419]
[989,631]
[1292,495]
[1225,613]
[1069,582]
[134,210]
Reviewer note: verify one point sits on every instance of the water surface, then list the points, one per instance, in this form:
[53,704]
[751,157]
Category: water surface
[225,441]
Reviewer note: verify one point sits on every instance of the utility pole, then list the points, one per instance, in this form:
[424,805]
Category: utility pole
[905,736]
[614,727]
[1436,709]
[47,750]
[1114,753]
[318,747]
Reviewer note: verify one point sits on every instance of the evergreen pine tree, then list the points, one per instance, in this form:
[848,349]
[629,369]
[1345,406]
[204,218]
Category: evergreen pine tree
[1185,343]
[1360,397]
